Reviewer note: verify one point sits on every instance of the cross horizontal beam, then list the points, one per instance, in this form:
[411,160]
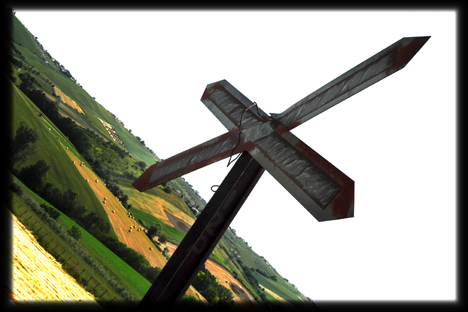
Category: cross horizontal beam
[320,187]
[267,144]
[374,69]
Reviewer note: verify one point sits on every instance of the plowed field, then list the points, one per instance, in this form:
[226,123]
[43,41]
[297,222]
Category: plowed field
[37,278]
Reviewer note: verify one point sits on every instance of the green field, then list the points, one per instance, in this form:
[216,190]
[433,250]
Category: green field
[149,220]
[34,223]
[117,165]
[121,271]
[53,152]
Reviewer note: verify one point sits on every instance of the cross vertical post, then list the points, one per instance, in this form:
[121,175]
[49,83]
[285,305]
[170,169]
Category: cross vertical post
[187,260]
[266,143]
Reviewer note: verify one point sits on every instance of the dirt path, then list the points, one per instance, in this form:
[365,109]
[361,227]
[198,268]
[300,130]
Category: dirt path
[37,276]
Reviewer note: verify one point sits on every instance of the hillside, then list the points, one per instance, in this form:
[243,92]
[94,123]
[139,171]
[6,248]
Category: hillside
[85,162]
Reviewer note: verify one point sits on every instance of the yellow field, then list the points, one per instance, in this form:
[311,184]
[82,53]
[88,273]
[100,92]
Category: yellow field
[37,278]
[65,99]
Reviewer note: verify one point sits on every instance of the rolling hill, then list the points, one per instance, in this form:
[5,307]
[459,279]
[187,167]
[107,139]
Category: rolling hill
[91,154]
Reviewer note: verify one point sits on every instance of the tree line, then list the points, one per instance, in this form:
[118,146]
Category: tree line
[215,293]
[78,137]
[21,147]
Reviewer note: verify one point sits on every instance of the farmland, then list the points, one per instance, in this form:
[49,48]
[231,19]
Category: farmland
[83,159]
[37,276]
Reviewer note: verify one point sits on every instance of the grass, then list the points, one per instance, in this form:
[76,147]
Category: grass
[149,220]
[130,279]
[63,173]
[125,274]
[22,36]
[39,227]
[135,147]
[177,205]
[279,288]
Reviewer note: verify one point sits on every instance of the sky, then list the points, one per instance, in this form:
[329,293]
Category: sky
[395,139]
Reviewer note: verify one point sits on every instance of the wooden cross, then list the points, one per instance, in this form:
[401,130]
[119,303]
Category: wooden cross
[266,143]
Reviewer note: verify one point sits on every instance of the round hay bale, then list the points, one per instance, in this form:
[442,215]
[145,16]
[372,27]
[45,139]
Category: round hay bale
[66,147]
[97,181]
[151,248]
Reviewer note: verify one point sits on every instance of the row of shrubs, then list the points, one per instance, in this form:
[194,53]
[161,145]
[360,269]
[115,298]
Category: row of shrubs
[78,136]
[57,228]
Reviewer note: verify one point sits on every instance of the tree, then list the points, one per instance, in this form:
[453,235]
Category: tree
[23,145]
[75,232]
[54,214]
[154,230]
[162,238]
[34,175]
[167,189]
[225,295]
[142,165]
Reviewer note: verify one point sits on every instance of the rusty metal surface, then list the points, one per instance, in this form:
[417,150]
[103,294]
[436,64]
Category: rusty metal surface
[268,144]
[187,161]
[320,188]
[374,69]
[179,272]
[311,179]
